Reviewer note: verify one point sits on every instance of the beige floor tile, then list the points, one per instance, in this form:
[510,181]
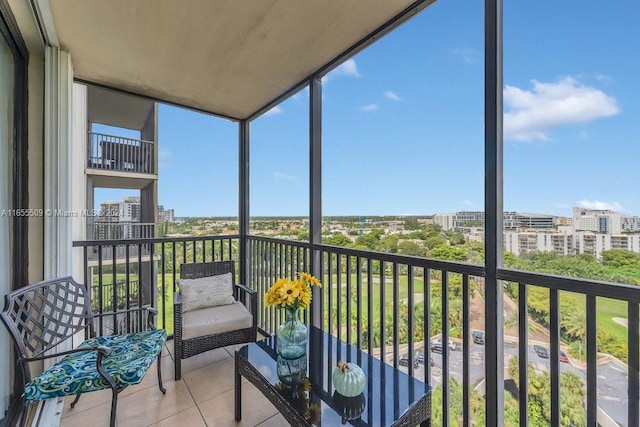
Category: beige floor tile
[97,416]
[87,401]
[275,421]
[149,406]
[211,380]
[188,418]
[203,359]
[219,411]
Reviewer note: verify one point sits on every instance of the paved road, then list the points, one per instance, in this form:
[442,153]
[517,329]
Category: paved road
[612,379]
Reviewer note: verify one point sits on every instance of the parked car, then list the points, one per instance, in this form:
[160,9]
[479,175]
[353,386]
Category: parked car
[436,346]
[478,337]
[541,351]
[563,357]
[432,362]
[420,357]
[404,361]
[452,345]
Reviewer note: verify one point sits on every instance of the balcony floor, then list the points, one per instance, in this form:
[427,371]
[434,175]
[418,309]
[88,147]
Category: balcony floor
[203,397]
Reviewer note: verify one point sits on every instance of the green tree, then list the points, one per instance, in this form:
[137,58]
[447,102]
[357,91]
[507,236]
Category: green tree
[476,404]
[620,258]
[434,241]
[411,223]
[408,247]
[572,394]
[337,239]
[371,240]
[451,253]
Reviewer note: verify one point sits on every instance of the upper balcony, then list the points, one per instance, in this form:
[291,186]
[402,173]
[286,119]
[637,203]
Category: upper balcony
[124,159]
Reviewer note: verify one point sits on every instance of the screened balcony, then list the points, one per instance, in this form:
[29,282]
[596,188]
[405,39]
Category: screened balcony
[378,302]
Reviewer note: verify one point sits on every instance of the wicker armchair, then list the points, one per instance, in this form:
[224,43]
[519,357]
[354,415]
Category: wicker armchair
[191,337]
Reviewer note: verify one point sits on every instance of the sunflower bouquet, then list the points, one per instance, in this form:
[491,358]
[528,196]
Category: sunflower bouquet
[287,293]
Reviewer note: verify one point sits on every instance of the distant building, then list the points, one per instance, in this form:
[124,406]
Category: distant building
[462,220]
[122,220]
[597,220]
[630,224]
[445,220]
[167,215]
[589,231]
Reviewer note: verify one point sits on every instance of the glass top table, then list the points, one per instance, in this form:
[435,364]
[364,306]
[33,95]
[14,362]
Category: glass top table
[390,398]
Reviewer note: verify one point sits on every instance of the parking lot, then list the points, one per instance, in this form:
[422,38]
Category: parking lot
[612,378]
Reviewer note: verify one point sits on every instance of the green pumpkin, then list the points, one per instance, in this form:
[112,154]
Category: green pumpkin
[349,379]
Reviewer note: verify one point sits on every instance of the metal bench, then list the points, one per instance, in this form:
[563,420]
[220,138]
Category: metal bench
[42,316]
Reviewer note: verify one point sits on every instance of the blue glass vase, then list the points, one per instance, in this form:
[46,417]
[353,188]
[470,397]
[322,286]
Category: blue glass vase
[292,371]
[292,336]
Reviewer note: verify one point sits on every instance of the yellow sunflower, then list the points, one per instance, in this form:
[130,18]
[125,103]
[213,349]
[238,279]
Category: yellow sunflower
[308,278]
[289,293]
[305,297]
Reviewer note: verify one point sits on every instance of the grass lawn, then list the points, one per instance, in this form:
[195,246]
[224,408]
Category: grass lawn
[403,292]
[168,303]
[607,309]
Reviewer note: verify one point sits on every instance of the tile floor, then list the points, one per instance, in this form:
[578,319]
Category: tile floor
[203,397]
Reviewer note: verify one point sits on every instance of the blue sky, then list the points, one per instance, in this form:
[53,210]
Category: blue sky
[403,122]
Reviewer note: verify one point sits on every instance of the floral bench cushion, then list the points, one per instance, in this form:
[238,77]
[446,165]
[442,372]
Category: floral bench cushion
[131,357]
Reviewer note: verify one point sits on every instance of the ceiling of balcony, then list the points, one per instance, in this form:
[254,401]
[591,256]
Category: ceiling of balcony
[227,57]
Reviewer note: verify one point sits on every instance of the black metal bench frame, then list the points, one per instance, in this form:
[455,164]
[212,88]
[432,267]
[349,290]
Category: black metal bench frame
[43,315]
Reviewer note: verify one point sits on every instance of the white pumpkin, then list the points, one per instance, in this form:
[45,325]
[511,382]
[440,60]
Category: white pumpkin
[349,379]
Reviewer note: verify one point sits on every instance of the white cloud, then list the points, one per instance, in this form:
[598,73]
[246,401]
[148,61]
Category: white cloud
[284,176]
[303,93]
[391,95]
[466,54]
[531,114]
[604,78]
[468,203]
[347,68]
[272,112]
[597,204]
[369,107]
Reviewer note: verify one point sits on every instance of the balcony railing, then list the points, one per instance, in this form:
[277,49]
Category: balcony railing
[390,305]
[109,230]
[152,264]
[115,153]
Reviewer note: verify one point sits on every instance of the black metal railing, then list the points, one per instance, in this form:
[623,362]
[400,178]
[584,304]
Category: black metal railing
[593,293]
[391,305]
[146,271]
[423,298]
[113,295]
[369,300]
[115,153]
[120,230]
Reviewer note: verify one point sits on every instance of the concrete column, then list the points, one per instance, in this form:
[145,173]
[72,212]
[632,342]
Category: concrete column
[149,212]
[57,163]
[79,161]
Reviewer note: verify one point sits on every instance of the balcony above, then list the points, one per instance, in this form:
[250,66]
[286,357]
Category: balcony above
[120,162]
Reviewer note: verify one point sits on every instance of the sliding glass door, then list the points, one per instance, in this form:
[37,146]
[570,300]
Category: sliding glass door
[7,141]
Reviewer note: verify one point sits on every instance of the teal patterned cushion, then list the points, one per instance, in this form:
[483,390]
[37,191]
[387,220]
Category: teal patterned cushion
[130,358]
